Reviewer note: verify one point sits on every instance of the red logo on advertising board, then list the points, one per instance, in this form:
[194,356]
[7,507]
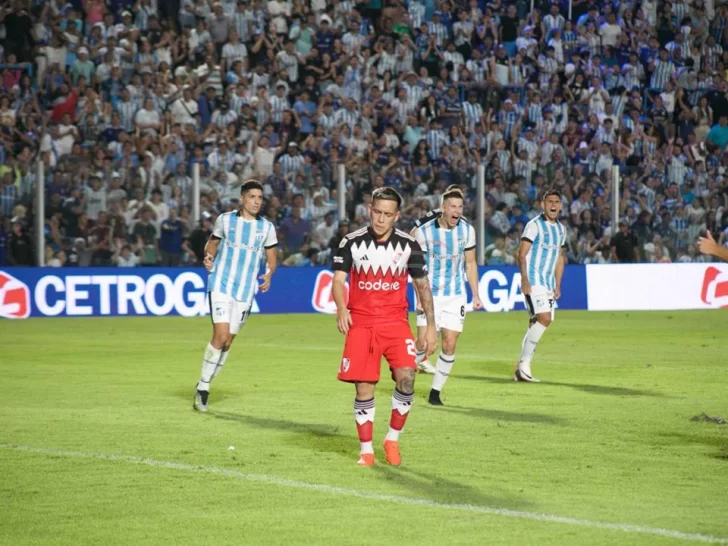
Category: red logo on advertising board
[323,297]
[14,297]
[715,287]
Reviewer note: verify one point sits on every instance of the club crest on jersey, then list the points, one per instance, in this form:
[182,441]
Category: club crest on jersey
[345,363]
[397,258]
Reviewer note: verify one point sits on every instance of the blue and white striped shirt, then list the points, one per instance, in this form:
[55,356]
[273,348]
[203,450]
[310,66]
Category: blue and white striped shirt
[445,254]
[547,240]
[239,256]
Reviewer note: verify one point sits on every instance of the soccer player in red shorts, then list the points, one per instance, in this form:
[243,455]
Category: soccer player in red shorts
[378,261]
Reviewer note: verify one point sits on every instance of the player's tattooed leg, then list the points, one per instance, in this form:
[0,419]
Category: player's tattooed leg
[406,381]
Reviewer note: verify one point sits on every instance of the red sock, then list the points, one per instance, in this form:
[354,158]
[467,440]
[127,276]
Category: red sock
[401,404]
[364,415]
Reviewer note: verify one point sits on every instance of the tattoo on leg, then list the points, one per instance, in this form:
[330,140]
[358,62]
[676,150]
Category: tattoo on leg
[406,384]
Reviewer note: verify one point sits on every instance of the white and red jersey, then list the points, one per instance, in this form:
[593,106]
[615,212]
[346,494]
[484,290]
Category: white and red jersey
[379,272]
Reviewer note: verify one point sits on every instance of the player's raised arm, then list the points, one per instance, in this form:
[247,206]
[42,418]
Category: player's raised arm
[708,246]
[342,266]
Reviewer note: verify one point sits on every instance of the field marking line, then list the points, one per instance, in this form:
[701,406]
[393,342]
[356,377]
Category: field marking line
[367,495]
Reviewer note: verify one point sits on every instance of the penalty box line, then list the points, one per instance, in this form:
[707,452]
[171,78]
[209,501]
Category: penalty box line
[367,495]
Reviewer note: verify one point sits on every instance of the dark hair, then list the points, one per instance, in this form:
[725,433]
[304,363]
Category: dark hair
[549,193]
[453,193]
[387,194]
[251,184]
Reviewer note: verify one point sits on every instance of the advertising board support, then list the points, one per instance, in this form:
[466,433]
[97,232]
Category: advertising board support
[480,215]
[615,198]
[341,190]
[39,205]
[196,193]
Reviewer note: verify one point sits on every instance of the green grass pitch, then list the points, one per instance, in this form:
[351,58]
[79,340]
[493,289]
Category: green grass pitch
[99,444]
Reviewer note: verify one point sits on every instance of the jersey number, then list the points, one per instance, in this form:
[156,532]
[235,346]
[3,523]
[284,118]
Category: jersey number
[411,349]
[245,316]
[462,311]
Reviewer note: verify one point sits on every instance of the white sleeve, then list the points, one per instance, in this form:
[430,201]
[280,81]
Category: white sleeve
[470,241]
[271,240]
[420,238]
[217,231]
[530,232]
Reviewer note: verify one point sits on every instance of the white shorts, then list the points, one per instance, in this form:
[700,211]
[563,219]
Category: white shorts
[540,300]
[449,313]
[226,309]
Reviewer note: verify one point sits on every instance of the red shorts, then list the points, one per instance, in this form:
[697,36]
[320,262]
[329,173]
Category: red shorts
[366,345]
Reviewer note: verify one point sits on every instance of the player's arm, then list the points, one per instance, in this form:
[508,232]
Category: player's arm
[213,243]
[471,272]
[271,258]
[559,273]
[342,266]
[529,236]
[707,245]
[471,268]
[523,251]
[418,271]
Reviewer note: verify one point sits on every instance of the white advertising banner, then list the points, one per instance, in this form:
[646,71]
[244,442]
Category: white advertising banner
[655,287]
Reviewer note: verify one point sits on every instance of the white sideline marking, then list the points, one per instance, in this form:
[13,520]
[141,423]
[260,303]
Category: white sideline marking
[342,491]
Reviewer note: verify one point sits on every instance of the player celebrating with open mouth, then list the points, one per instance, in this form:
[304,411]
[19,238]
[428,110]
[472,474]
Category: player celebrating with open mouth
[449,244]
[378,261]
[233,255]
[541,259]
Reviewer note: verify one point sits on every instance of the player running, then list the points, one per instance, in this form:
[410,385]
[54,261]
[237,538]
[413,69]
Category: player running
[378,260]
[233,256]
[541,259]
[423,365]
[449,244]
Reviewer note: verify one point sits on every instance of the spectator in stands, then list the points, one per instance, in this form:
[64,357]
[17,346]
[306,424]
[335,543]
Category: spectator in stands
[20,252]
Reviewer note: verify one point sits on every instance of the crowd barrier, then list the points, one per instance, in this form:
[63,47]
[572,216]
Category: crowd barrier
[92,292]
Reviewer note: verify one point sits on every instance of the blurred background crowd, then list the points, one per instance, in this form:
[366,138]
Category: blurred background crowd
[121,98]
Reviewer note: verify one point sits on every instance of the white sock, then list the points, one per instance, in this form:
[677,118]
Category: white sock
[444,366]
[421,357]
[220,363]
[529,345]
[209,363]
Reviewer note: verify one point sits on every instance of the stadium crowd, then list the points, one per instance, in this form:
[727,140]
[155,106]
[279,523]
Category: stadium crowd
[120,98]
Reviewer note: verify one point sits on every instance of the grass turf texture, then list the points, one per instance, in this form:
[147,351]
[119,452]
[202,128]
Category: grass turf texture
[606,437]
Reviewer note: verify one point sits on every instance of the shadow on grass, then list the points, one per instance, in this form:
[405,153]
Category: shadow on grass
[592,389]
[719,443]
[322,438]
[497,415]
[442,490]
[216,396]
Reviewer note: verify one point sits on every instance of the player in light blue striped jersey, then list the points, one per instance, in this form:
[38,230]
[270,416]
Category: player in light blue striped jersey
[541,259]
[449,245]
[233,256]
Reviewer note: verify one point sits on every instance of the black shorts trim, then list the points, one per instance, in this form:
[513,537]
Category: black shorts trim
[529,304]
[209,301]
